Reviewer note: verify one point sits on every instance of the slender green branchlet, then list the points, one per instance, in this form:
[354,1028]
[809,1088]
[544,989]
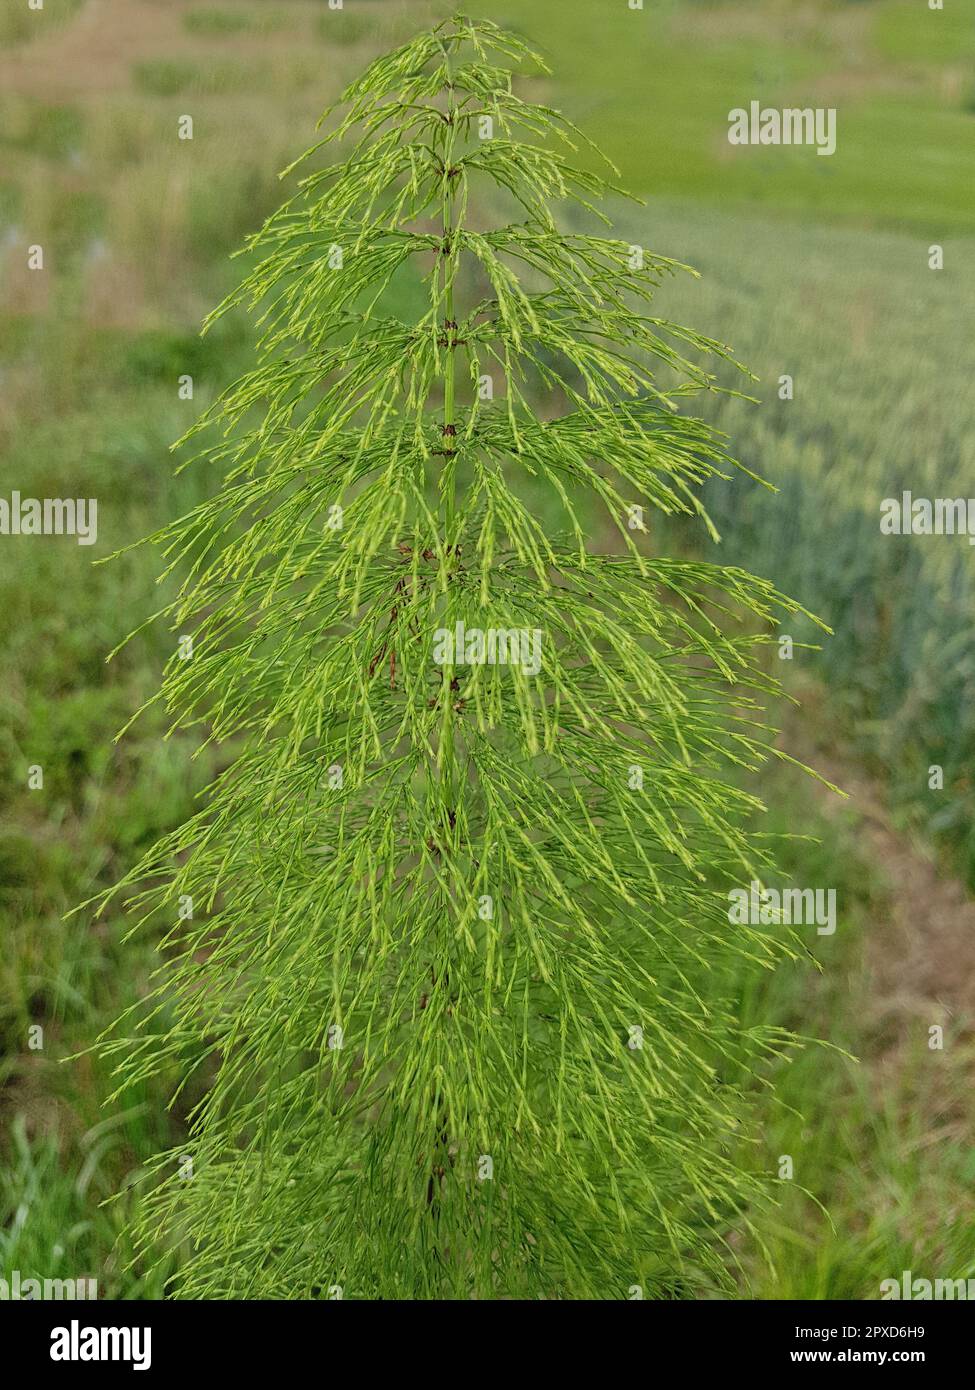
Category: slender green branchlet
[453,981]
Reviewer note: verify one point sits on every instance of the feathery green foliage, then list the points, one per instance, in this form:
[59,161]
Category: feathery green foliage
[446,938]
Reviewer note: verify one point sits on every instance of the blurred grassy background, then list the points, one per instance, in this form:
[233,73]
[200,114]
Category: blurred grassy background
[813,267]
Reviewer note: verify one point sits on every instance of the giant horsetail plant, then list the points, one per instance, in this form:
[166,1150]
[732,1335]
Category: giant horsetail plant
[449,940]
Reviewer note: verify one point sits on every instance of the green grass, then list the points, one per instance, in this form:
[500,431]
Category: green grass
[881,1145]
[876,344]
[99,806]
[53,132]
[169,77]
[908,33]
[18,24]
[361,21]
[52,1221]
[217,21]
[344,26]
[654,89]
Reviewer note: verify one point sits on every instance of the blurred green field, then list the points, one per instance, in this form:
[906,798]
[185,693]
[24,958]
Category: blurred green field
[654,87]
[879,350]
[813,267]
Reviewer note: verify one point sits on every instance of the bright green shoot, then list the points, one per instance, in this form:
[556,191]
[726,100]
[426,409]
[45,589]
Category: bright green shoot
[449,938]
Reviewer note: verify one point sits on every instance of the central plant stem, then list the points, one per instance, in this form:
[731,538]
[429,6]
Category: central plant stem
[448,337]
[446,332]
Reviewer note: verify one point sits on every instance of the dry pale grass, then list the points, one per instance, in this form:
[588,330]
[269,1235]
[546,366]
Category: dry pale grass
[920,954]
